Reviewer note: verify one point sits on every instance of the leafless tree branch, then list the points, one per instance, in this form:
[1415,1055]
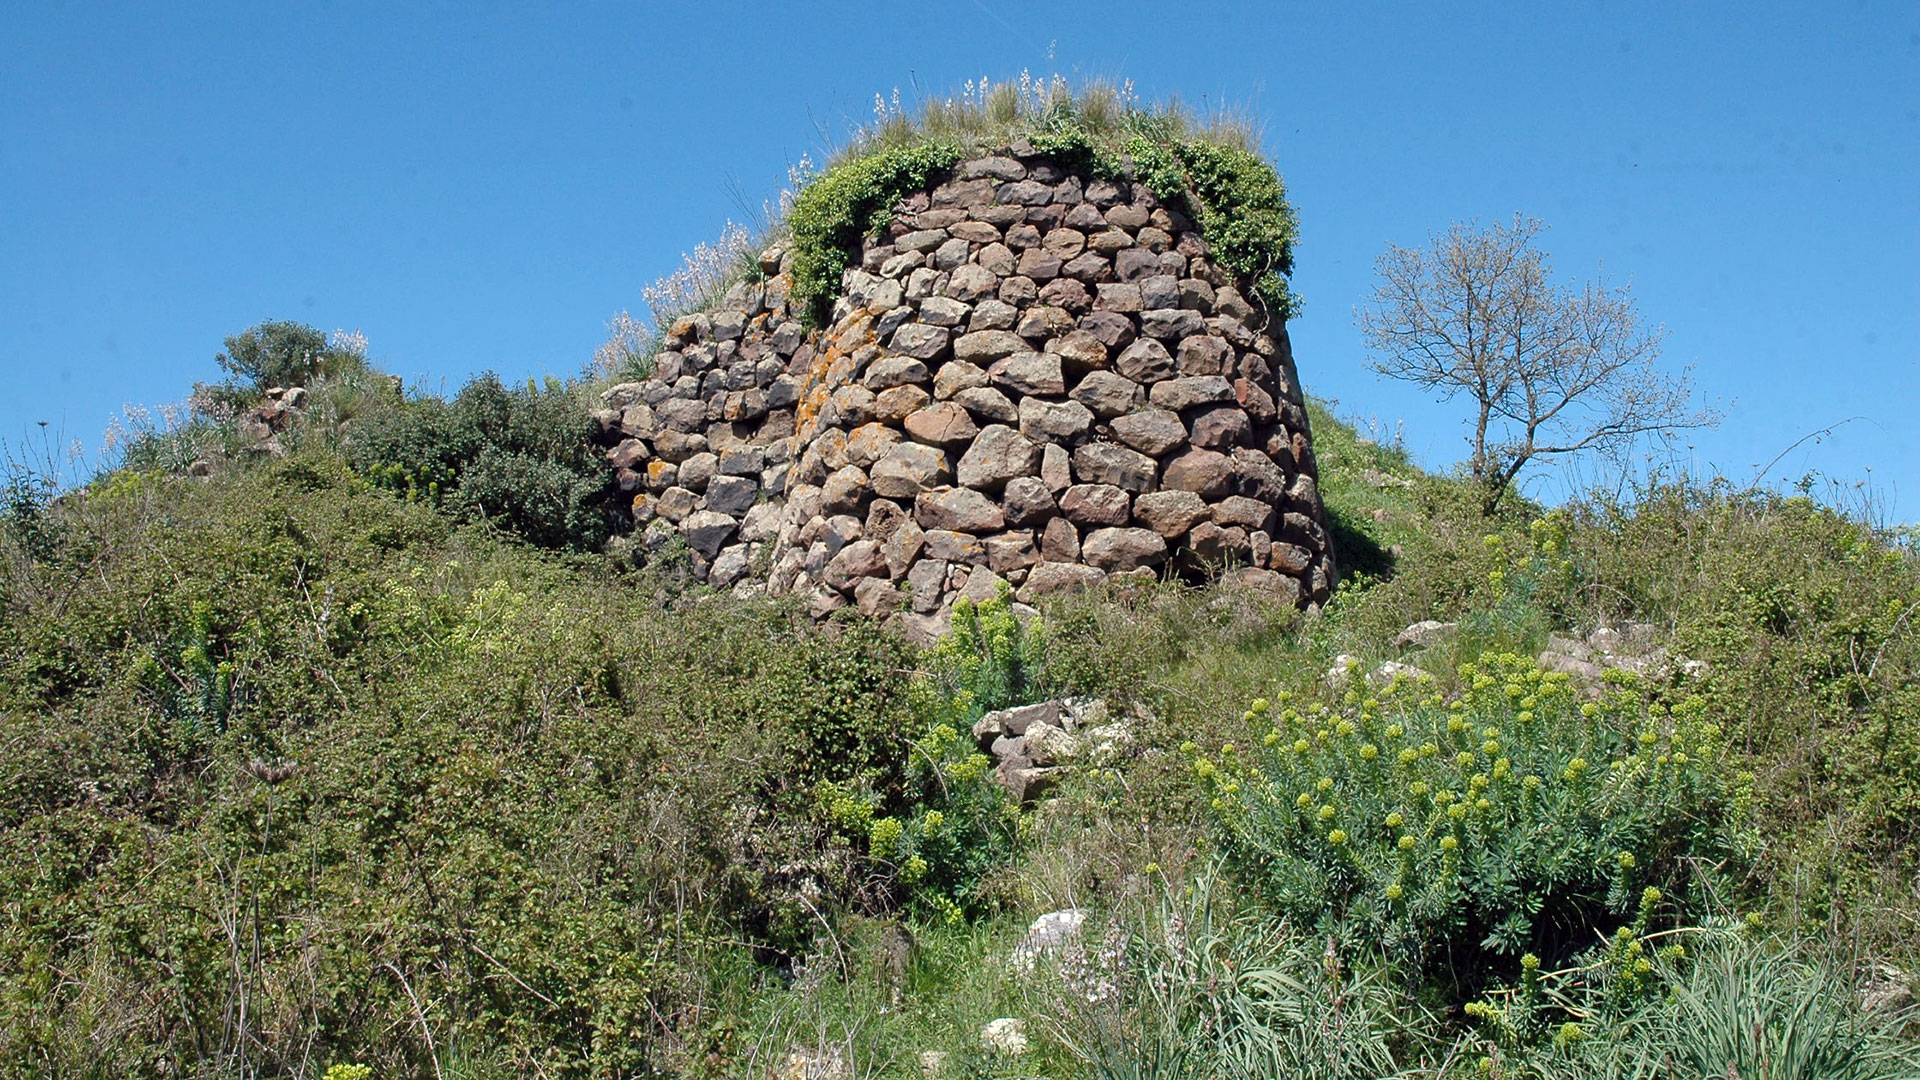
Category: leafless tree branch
[1551,370]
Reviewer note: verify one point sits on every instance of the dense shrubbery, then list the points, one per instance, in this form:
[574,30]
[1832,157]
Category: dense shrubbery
[516,457]
[283,747]
[1516,817]
[278,741]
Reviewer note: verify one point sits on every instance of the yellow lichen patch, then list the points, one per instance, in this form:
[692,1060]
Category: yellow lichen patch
[835,355]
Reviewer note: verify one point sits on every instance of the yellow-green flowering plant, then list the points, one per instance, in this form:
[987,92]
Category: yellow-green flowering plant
[1522,817]
[988,660]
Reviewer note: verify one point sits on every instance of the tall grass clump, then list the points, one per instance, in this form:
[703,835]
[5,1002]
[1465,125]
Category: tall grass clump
[1727,1005]
[1189,986]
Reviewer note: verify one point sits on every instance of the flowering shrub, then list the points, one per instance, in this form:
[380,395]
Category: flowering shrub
[988,660]
[1518,817]
[954,827]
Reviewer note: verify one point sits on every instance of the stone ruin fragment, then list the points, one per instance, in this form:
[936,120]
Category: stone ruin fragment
[1032,380]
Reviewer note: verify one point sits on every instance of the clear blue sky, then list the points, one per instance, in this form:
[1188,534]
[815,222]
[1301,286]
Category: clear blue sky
[481,186]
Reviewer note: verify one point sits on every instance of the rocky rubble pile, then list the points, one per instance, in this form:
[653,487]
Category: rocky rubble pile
[259,428]
[1032,380]
[1033,745]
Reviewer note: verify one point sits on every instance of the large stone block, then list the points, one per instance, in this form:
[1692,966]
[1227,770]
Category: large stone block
[998,455]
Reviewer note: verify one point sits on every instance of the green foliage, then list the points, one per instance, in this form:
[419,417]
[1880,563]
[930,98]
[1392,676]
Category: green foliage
[848,203]
[272,740]
[958,829]
[546,503]
[1239,203]
[990,659]
[518,458]
[937,830]
[1513,818]
[27,493]
[1806,619]
[280,353]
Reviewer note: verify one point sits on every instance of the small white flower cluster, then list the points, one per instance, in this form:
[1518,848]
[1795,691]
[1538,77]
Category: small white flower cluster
[799,175]
[1037,93]
[137,422]
[1095,977]
[352,342]
[701,273]
[975,95]
[628,339]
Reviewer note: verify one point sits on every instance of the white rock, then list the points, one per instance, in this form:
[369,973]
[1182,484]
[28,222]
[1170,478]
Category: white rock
[1341,673]
[1424,633]
[1047,933]
[1110,742]
[809,1065]
[1079,712]
[1391,670]
[1007,1035]
[1049,745]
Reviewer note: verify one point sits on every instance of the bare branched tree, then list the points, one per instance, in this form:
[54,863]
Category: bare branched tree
[1551,370]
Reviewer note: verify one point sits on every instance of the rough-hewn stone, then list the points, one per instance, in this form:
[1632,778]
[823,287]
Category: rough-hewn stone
[1032,378]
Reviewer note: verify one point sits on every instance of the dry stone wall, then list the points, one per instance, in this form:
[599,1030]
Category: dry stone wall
[1032,379]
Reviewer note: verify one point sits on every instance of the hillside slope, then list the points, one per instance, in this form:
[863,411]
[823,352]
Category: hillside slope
[303,771]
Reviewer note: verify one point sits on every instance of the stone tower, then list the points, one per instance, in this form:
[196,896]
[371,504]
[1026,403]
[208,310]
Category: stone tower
[1031,378]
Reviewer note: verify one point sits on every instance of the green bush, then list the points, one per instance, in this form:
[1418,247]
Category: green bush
[546,503]
[1515,818]
[938,824]
[848,203]
[951,829]
[1808,619]
[280,353]
[517,458]
[989,659]
[272,740]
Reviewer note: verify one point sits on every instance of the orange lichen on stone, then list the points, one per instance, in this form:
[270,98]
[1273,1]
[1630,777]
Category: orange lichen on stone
[836,355]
